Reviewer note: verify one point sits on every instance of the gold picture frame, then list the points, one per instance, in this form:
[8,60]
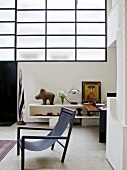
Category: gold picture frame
[91,92]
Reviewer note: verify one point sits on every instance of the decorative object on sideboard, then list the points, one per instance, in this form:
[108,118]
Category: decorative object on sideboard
[62,95]
[52,114]
[44,95]
[49,114]
[21,100]
[79,111]
[72,91]
[91,92]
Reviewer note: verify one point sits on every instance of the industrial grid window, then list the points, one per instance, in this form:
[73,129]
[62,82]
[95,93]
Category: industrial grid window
[53,30]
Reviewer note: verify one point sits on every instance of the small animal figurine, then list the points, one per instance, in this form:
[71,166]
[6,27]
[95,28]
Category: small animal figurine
[45,96]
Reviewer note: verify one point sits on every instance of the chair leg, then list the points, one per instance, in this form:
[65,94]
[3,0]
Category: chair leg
[22,158]
[18,148]
[52,146]
[18,137]
[63,156]
[65,150]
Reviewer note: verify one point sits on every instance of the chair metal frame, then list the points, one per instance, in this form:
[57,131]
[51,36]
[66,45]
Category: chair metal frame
[21,140]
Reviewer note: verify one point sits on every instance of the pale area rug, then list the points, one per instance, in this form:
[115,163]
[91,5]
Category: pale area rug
[5,147]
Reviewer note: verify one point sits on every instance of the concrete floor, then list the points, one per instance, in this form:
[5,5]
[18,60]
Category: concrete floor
[84,151]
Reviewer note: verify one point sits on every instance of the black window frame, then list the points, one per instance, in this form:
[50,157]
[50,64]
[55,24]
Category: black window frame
[46,35]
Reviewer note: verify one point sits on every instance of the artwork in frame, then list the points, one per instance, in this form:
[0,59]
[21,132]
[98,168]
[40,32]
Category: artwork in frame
[91,92]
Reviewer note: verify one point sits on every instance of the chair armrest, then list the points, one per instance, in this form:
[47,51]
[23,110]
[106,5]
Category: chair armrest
[33,128]
[43,137]
[29,128]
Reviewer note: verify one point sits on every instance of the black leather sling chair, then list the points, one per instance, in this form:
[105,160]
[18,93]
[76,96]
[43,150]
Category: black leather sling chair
[66,117]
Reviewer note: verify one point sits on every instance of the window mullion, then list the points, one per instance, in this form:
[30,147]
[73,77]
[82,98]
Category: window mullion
[54,30]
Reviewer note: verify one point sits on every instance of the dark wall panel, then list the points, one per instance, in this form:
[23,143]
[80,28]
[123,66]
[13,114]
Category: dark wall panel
[8,92]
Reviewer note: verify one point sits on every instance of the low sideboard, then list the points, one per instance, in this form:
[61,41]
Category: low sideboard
[51,112]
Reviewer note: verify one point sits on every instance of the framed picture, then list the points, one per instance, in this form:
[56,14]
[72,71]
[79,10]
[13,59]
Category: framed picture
[91,92]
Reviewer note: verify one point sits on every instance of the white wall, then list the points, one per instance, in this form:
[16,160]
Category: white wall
[125,43]
[109,6]
[112,25]
[116,35]
[55,76]
[116,142]
[115,2]
[62,76]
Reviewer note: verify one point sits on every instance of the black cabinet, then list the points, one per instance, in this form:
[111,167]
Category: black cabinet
[8,92]
[102,127]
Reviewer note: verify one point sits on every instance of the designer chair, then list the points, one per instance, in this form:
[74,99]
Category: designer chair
[66,117]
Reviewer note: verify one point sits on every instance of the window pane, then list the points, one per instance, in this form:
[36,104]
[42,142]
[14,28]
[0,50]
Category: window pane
[31,41]
[7,41]
[7,28]
[91,4]
[61,16]
[60,28]
[7,3]
[6,54]
[60,41]
[28,16]
[6,15]
[61,54]
[31,29]
[32,54]
[28,4]
[91,16]
[61,4]
[91,41]
[90,28]
[91,54]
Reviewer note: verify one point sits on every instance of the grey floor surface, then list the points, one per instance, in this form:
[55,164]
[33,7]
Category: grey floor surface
[84,152]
